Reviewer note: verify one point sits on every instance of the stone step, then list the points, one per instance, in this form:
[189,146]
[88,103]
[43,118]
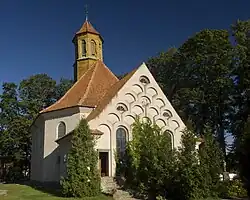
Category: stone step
[123,195]
[110,187]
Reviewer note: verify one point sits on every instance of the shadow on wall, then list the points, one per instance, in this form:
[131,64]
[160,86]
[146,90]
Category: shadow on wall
[50,173]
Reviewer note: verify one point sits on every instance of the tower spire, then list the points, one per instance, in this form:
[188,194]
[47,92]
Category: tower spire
[86,12]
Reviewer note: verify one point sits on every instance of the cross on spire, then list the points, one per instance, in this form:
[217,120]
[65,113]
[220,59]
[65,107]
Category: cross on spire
[86,12]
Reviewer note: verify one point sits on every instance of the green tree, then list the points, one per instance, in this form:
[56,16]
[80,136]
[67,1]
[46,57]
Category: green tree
[62,87]
[36,93]
[243,152]
[18,108]
[211,160]
[167,72]
[149,170]
[14,131]
[241,97]
[197,80]
[83,178]
[188,183]
[9,110]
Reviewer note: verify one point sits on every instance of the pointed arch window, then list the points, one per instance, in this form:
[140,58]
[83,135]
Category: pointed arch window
[84,48]
[61,130]
[121,140]
[93,48]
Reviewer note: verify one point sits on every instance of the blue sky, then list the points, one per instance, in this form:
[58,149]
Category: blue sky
[35,36]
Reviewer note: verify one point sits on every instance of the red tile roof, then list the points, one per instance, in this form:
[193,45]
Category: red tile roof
[88,90]
[109,95]
[87,28]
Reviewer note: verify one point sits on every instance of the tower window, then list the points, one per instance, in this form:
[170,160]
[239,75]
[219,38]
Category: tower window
[93,48]
[84,49]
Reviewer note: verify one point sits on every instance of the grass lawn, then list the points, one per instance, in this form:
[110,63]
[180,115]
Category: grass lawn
[23,192]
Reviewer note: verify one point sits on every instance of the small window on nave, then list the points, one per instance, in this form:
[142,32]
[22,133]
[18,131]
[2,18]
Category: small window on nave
[61,130]
[144,80]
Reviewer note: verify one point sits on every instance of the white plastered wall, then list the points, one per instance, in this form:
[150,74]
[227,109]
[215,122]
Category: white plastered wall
[45,131]
[140,99]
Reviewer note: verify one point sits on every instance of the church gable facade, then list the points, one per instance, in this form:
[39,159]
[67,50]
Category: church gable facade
[109,105]
[140,96]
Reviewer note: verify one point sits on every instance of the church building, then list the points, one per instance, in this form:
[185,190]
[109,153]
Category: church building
[108,104]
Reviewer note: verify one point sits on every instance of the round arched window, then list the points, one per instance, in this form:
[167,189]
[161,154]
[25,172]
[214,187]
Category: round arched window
[121,140]
[121,107]
[61,130]
[167,114]
[168,136]
[144,80]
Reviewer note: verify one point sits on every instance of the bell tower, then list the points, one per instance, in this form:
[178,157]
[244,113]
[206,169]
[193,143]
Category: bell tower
[88,48]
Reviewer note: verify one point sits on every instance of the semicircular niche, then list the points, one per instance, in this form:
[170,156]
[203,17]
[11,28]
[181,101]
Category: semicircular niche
[113,118]
[145,101]
[152,92]
[159,102]
[129,119]
[137,109]
[130,98]
[175,124]
[153,111]
[136,88]
[160,122]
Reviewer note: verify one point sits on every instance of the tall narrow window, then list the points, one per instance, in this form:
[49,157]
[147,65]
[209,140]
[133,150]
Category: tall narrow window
[76,51]
[93,48]
[121,140]
[84,48]
[168,138]
[61,130]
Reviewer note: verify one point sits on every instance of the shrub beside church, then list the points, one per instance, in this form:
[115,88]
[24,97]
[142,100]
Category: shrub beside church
[83,178]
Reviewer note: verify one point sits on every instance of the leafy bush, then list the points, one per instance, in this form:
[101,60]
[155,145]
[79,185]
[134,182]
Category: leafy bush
[236,189]
[211,160]
[189,177]
[149,160]
[232,189]
[83,178]
[243,155]
[154,169]
[14,174]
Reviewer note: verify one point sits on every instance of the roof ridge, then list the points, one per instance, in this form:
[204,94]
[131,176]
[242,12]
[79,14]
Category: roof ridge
[74,85]
[96,112]
[89,83]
